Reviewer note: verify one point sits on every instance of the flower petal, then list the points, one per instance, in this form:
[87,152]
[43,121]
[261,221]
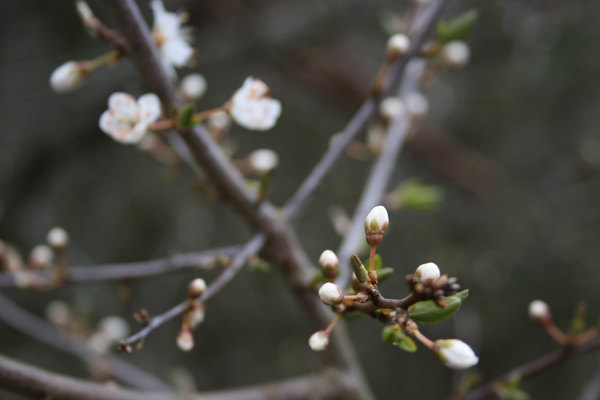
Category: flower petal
[177,51]
[149,108]
[123,103]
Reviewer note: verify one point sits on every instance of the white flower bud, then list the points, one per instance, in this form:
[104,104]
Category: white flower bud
[455,354]
[397,45]
[456,54]
[391,107]
[319,341]
[99,342]
[196,316]
[329,263]
[263,160]
[114,327]
[219,121]
[193,86]
[539,311]
[41,256]
[196,287]
[84,11]
[331,294]
[58,312]
[58,238]
[185,340]
[68,76]
[417,104]
[427,273]
[375,225]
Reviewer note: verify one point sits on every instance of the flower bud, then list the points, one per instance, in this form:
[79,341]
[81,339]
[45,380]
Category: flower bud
[331,294]
[68,76]
[329,264]
[58,238]
[84,11]
[391,107]
[58,312]
[219,121]
[263,160]
[185,340]
[375,224]
[456,54]
[196,287]
[417,104]
[539,311]
[114,327]
[196,316]
[319,341]
[41,256]
[99,342]
[397,45]
[427,273]
[193,86]
[455,354]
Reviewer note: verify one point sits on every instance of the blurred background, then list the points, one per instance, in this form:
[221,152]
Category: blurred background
[519,221]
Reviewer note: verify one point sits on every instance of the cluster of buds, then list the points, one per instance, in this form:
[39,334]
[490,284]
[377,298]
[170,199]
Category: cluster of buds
[428,283]
[194,315]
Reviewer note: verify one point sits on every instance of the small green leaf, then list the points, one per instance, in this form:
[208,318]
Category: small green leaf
[427,312]
[391,334]
[359,269]
[458,28]
[416,196]
[384,273]
[406,344]
[462,295]
[185,116]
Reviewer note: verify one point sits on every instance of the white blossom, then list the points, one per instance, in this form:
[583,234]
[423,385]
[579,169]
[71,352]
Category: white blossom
[196,287]
[417,104]
[331,294]
[114,327]
[456,54]
[185,340]
[253,108]
[126,120]
[68,76]
[318,341]
[193,86]
[328,259]
[41,255]
[57,237]
[263,160]
[397,45]
[391,107]
[428,273]
[455,354]
[171,39]
[377,220]
[539,310]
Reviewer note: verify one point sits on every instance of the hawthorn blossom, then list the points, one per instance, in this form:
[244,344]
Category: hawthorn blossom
[171,39]
[253,108]
[126,120]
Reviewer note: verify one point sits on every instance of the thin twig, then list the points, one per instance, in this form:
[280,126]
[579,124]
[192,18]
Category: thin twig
[41,330]
[240,259]
[143,269]
[592,389]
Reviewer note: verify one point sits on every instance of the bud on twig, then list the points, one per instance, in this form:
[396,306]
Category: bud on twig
[193,86]
[58,238]
[41,256]
[456,54]
[427,273]
[455,354]
[319,341]
[196,288]
[539,311]
[185,340]
[329,264]
[375,225]
[68,76]
[397,46]
[263,160]
[331,294]
[391,107]
[417,104]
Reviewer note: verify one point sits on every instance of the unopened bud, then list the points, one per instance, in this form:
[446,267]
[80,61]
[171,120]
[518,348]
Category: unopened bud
[455,354]
[319,341]
[115,327]
[263,160]
[196,316]
[391,107]
[41,256]
[99,342]
[329,264]
[417,104]
[58,238]
[58,312]
[185,340]
[456,54]
[68,76]
[196,287]
[397,45]
[427,273]
[84,11]
[376,223]
[331,294]
[193,86]
[539,311]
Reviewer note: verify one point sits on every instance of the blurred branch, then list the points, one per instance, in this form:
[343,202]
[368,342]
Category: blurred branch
[144,269]
[40,384]
[240,259]
[418,33]
[592,389]
[530,369]
[43,331]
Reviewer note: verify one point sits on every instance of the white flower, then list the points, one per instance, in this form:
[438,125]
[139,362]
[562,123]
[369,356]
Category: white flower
[41,256]
[263,160]
[57,238]
[455,353]
[172,40]
[417,104]
[185,340]
[68,76]
[253,108]
[126,120]
[319,341]
[397,45]
[376,223]
[428,273]
[193,86]
[456,54]
[391,107]
[331,294]
[196,287]
[539,311]
[114,327]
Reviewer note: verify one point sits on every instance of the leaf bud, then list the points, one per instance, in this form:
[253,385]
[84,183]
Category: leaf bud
[376,223]
[331,294]
[329,264]
[319,341]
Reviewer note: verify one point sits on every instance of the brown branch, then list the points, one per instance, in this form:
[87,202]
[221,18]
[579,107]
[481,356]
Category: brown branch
[532,368]
[40,384]
[240,259]
[144,269]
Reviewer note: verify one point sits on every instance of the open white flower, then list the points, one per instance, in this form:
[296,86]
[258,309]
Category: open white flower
[171,39]
[126,120]
[253,108]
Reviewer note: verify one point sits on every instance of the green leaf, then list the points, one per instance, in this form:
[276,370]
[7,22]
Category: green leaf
[416,196]
[377,262]
[391,334]
[406,344]
[185,116]
[462,295]
[427,312]
[458,28]
[384,273]
[359,269]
